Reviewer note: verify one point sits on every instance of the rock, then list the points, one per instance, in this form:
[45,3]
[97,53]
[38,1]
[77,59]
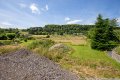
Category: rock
[60,48]
[25,65]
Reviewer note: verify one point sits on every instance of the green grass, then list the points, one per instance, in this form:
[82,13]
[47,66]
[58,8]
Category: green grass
[5,42]
[85,53]
[90,62]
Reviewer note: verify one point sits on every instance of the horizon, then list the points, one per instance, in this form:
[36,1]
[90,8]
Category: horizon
[27,13]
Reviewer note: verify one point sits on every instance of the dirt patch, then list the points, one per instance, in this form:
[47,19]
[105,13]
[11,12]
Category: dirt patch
[25,65]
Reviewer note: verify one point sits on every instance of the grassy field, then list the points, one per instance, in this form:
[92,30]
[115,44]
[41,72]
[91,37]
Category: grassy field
[85,61]
[76,40]
[88,62]
[82,60]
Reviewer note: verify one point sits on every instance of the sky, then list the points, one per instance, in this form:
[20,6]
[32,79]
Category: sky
[33,13]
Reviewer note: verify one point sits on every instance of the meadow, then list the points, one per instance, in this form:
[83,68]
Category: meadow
[86,61]
[81,59]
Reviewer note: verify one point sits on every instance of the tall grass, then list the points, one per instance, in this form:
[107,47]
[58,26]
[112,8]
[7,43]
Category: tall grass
[42,47]
[40,43]
[8,48]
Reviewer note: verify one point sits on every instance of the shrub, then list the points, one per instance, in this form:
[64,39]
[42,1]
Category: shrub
[25,39]
[103,46]
[31,38]
[10,36]
[3,37]
[5,42]
[37,43]
[48,36]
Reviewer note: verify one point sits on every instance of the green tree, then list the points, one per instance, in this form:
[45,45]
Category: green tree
[103,37]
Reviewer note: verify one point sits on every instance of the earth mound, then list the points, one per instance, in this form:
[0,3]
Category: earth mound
[25,65]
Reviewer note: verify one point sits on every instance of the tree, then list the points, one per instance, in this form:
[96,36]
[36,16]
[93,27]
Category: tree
[103,37]
[114,22]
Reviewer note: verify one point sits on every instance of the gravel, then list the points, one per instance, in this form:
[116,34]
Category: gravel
[25,65]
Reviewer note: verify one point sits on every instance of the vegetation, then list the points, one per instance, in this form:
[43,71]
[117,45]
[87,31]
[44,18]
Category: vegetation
[8,48]
[86,61]
[117,49]
[5,42]
[60,29]
[80,49]
[117,33]
[104,37]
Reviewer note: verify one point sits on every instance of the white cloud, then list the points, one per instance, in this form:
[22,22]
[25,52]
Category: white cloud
[67,18]
[34,8]
[118,20]
[6,23]
[23,5]
[46,7]
[74,21]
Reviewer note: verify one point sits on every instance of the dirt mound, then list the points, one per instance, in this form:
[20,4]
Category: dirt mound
[25,65]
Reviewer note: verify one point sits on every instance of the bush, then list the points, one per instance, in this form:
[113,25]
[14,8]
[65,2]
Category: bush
[3,37]
[10,36]
[5,42]
[103,46]
[16,40]
[48,36]
[31,38]
[91,33]
[25,39]
[38,43]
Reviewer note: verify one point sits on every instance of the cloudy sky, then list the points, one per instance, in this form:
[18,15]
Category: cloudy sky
[27,13]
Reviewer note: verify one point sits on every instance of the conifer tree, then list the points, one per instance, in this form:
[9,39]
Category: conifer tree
[104,37]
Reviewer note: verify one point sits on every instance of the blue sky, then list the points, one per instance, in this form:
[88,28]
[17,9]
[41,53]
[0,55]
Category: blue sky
[27,13]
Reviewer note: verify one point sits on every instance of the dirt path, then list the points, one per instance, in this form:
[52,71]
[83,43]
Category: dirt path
[25,65]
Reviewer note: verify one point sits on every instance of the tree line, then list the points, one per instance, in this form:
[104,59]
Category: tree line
[60,29]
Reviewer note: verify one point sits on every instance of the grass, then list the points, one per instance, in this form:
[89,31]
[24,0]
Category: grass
[86,61]
[82,60]
[91,63]
[118,50]
[76,40]
[5,42]
[41,47]
[8,48]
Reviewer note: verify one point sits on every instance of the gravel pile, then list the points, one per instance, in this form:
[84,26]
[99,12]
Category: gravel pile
[25,65]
